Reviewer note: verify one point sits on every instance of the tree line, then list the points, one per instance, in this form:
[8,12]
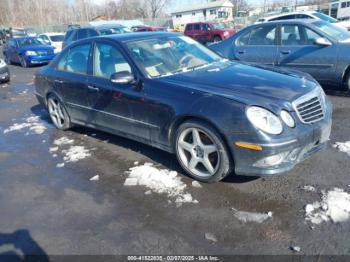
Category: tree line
[58,12]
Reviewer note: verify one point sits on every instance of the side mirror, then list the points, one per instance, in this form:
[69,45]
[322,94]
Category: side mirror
[322,41]
[122,78]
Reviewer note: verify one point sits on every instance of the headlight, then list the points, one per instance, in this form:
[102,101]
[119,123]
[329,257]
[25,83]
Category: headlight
[264,120]
[2,63]
[31,53]
[287,118]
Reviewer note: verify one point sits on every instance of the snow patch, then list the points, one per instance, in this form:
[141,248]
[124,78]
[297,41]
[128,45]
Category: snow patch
[334,206]
[161,181]
[309,188]
[63,141]
[196,184]
[60,165]
[33,123]
[343,147]
[75,153]
[246,216]
[95,178]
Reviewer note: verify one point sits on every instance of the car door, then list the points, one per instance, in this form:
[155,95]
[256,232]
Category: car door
[70,81]
[298,50]
[115,106]
[258,45]
[11,51]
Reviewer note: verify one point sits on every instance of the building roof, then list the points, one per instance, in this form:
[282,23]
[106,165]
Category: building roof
[201,6]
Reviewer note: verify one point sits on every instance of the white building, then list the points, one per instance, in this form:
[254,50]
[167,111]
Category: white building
[341,9]
[209,11]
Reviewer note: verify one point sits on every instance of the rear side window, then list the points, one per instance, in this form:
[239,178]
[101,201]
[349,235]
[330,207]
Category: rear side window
[75,60]
[264,35]
[189,27]
[91,33]
[290,35]
[303,16]
[68,34]
[82,34]
[197,27]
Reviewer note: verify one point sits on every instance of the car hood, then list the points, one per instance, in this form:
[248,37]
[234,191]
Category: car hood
[270,87]
[36,48]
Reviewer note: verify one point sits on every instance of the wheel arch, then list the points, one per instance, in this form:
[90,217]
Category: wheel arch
[346,72]
[184,118]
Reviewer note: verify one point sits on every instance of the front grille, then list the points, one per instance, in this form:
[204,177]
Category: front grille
[42,53]
[310,108]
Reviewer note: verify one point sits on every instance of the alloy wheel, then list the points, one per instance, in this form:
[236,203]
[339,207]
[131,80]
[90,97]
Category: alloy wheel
[56,112]
[198,152]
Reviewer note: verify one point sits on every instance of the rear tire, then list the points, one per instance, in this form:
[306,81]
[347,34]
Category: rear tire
[217,39]
[58,113]
[201,152]
[7,60]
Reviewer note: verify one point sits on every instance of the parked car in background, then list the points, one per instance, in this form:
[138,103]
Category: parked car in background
[305,15]
[171,92]
[147,28]
[53,39]
[208,32]
[16,32]
[4,72]
[31,32]
[313,46]
[27,51]
[2,36]
[76,33]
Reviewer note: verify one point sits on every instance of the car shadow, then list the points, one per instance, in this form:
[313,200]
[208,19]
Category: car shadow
[22,248]
[337,93]
[166,159]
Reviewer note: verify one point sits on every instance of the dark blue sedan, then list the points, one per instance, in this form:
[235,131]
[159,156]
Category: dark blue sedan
[312,46]
[27,51]
[170,92]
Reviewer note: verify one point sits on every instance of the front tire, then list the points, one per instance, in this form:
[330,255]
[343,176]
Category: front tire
[346,86]
[58,113]
[201,152]
[23,62]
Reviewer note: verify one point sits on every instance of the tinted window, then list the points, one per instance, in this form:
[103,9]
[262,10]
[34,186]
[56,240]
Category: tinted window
[197,27]
[75,60]
[265,35]
[109,60]
[57,38]
[92,33]
[303,16]
[68,34]
[189,27]
[283,17]
[290,35]
[82,34]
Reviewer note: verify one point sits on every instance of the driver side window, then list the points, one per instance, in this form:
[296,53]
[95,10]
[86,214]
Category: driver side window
[109,60]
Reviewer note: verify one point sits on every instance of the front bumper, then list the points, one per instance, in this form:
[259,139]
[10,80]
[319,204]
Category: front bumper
[309,139]
[39,60]
[4,74]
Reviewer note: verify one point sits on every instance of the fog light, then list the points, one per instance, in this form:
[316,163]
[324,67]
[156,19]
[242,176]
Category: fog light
[271,160]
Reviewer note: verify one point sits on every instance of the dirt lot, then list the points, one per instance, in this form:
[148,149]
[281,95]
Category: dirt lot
[49,205]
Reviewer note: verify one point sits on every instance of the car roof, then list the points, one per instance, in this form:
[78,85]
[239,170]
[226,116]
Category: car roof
[290,13]
[291,21]
[26,37]
[52,33]
[138,36]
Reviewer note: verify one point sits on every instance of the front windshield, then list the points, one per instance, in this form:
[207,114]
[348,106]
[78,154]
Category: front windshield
[28,42]
[57,38]
[218,26]
[335,32]
[170,55]
[325,17]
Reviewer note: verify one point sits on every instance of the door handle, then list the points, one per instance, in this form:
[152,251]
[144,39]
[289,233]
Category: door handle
[286,52]
[241,52]
[93,88]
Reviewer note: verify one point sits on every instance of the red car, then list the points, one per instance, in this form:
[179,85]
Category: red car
[146,28]
[208,32]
